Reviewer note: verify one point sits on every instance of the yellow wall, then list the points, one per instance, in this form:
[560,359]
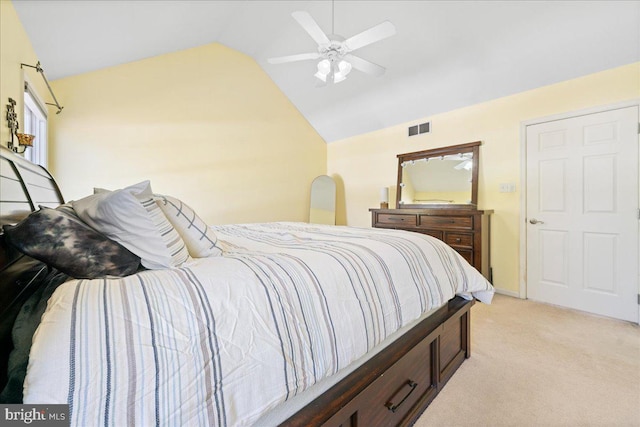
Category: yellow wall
[206,125]
[365,163]
[15,49]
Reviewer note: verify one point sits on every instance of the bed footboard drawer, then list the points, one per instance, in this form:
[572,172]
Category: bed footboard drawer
[393,398]
[395,386]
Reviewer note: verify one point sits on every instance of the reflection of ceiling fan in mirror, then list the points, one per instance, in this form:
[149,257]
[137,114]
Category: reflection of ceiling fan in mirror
[334,52]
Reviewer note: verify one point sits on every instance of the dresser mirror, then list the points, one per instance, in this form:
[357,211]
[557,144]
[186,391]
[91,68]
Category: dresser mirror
[444,177]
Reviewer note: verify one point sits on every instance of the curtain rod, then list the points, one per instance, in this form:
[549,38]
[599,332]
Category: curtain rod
[41,71]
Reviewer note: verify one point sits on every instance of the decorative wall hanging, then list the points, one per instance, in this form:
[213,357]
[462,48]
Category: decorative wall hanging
[24,139]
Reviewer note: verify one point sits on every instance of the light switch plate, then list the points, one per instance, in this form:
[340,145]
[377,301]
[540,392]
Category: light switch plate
[508,187]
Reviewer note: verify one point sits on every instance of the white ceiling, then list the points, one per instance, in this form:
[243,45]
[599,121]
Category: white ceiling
[445,55]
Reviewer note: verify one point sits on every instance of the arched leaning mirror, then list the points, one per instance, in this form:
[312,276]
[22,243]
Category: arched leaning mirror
[442,177]
[323,201]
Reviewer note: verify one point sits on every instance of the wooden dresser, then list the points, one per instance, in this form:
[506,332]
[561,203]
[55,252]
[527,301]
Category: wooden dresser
[465,230]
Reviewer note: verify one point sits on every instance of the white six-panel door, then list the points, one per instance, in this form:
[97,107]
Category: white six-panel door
[582,212]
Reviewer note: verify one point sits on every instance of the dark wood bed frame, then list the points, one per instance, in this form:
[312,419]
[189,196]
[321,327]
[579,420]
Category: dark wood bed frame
[392,388]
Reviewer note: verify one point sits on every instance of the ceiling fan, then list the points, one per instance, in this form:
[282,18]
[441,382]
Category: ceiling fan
[334,52]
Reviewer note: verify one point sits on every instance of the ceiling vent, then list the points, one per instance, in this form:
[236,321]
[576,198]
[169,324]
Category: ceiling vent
[419,129]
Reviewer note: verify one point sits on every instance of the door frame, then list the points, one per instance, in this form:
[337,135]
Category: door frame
[523,176]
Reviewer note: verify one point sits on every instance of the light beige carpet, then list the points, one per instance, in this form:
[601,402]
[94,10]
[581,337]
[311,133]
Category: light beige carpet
[535,364]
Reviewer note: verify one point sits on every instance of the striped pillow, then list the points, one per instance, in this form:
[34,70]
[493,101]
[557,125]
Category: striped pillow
[200,239]
[130,217]
[120,216]
[171,237]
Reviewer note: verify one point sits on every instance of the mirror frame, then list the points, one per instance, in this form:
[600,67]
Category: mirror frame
[471,147]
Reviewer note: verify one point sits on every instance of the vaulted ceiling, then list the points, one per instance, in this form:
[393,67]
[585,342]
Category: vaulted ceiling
[445,55]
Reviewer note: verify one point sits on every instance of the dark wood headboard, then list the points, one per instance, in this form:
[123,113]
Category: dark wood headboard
[24,187]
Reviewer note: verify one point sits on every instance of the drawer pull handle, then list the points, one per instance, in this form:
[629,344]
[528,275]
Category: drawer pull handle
[458,240]
[394,407]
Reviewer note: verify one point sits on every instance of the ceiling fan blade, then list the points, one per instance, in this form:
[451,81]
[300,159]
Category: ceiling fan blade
[293,58]
[372,35]
[311,27]
[364,65]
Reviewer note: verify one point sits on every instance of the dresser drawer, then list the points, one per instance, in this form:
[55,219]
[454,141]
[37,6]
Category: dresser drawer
[433,233]
[397,219]
[466,254]
[465,230]
[459,239]
[454,222]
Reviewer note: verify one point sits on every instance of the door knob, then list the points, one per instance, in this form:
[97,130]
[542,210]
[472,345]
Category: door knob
[535,221]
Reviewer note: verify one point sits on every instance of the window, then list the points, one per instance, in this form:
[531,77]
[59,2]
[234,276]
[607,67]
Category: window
[35,123]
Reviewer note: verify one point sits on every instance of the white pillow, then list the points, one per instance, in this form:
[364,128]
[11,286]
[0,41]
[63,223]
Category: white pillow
[200,239]
[120,216]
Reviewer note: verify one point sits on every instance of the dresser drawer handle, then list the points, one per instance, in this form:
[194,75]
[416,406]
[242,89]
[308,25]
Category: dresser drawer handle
[397,219]
[393,407]
[458,240]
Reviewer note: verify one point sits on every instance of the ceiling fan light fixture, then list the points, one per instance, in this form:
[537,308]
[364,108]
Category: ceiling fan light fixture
[332,71]
[335,52]
[344,67]
[324,68]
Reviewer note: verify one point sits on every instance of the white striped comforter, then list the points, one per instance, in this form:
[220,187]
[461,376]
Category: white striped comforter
[222,340]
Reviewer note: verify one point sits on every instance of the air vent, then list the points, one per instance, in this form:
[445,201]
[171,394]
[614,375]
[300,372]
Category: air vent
[419,129]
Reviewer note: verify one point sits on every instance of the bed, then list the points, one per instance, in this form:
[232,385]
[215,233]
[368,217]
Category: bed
[243,324]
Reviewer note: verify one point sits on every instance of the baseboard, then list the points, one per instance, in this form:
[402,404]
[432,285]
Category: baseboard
[508,293]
